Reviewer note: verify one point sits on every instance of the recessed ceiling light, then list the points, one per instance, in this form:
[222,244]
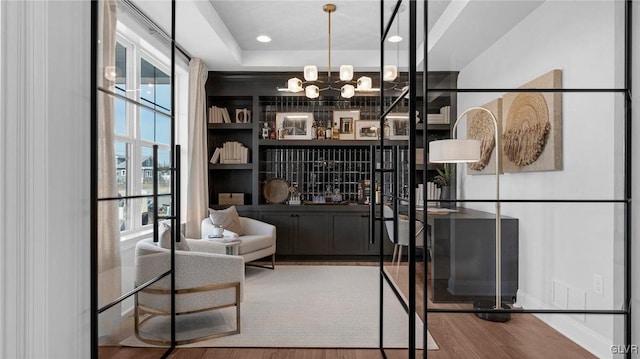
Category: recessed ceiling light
[263,38]
[395,38]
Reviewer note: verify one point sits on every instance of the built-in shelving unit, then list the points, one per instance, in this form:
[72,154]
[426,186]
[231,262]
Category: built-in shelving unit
[310,167]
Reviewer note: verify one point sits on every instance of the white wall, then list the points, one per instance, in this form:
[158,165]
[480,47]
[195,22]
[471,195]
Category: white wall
[562,246]
[44,181]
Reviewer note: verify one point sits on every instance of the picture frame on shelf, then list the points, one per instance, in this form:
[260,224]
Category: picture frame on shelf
[294,125]
[367,129]
[398,125]
[344,123]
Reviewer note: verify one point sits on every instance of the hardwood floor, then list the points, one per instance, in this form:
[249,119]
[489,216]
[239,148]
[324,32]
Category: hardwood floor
[253,353]
[458,336]
[464,335]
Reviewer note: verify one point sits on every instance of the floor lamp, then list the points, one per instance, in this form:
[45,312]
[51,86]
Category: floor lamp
[464,151]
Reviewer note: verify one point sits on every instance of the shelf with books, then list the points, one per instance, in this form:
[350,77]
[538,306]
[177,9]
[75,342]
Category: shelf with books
[256,93]
[229,109]
[231,152]
[230,147]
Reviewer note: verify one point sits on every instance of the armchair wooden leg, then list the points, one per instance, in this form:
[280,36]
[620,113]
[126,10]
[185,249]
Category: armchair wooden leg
[150,313]
[273,263]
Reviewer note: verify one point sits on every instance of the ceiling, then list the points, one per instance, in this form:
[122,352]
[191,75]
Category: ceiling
[223,32]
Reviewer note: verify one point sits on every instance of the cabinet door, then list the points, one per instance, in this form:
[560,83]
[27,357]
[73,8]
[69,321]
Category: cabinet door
[284,222]
[312,233]
[350,233]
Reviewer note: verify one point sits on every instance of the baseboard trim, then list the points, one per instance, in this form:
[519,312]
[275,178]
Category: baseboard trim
[568,326]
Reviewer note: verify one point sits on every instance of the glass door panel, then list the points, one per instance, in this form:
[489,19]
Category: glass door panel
[133,114]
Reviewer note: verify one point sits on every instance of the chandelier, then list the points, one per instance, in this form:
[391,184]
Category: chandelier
[347,90]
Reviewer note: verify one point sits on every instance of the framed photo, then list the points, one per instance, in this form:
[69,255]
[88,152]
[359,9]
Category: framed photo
[294,125]
[398,126]
[367,129]
[344,123]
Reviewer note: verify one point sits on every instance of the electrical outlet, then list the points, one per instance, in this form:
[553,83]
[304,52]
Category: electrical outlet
[598,284]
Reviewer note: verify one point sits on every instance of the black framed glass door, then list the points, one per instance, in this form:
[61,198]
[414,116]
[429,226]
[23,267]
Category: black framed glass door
[135,182]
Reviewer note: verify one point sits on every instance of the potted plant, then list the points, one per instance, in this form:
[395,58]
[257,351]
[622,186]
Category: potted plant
[443,180]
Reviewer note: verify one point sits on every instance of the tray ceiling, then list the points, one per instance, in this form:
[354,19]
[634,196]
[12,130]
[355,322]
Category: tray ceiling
[223,32]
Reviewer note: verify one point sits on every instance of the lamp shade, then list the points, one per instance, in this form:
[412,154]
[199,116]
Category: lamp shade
[110,73]
[364,83]
[346,73]
[312,91]
[347,91]
[389,73]
[454,151]
[294,84]
[311,73]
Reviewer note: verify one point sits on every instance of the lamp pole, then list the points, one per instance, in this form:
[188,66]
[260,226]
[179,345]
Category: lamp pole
[498,317]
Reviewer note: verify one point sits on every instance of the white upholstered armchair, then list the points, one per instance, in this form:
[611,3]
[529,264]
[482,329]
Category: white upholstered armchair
[204,282]
[258,241]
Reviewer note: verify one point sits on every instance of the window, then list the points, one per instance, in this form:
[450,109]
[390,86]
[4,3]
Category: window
[140,124]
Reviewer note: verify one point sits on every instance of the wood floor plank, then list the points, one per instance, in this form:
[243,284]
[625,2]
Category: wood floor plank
[192,353]
[130,353]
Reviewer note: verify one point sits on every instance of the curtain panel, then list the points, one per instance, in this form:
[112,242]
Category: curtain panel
[198,182]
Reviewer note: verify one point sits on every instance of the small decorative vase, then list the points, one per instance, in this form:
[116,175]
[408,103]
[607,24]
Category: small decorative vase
[445,194]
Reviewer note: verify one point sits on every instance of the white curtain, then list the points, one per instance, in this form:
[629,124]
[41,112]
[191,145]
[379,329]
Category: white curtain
[198,182]
[109,266]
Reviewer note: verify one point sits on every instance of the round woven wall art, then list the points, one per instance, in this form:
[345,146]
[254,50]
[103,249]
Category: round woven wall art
[527,128]
[481,128]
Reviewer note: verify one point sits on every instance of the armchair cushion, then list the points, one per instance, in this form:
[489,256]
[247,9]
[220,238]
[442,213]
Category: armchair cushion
[165,237]
[227,218]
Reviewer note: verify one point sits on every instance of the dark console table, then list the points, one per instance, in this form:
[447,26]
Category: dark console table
[463,263]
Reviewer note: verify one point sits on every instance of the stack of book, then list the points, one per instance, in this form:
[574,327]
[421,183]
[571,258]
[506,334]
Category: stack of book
[440,118]
[231,152]
[433,194]
[218,115]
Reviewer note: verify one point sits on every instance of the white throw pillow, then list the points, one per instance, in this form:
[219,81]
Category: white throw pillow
[227,218]
[165,237]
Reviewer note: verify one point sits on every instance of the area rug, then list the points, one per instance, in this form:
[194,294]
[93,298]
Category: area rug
[303,307]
